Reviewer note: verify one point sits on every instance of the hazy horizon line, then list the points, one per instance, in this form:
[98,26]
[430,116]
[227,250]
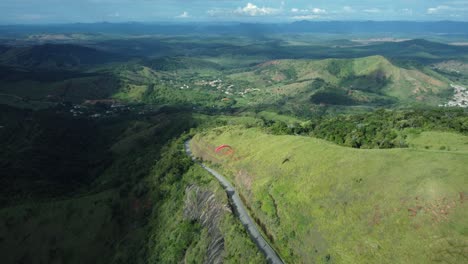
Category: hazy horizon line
[223,22]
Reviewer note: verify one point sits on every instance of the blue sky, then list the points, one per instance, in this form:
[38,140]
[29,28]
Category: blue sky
[66,11]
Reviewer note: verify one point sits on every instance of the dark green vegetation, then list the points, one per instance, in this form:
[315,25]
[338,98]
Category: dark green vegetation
[76,186]
[52,152]
[52,56]
[92,168]
[378,129]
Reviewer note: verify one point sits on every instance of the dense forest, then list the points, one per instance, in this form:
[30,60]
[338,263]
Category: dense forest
[378,129]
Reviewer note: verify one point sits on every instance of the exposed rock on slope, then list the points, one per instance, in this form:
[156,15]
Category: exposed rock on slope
[201,205]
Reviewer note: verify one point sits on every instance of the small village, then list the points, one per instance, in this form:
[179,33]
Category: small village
[460,97]
[224,88]
[218,84]
[101,108]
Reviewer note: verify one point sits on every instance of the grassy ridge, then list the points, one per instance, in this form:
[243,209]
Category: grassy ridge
[321,202]
[365,77]
[439,141]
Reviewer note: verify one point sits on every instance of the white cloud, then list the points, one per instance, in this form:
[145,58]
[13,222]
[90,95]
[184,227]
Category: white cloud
[250,10]
[407,11]
[305,13]
[216,12]
[464,3]
[297,10]
[184,14]
[305,17]
[443,9]
[318,11]
[372,10]
[438,9]
[348,9]
[253,10]
[116,14]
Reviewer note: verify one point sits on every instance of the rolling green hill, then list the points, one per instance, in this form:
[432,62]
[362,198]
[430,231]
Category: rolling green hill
[55,56]
[319,202]
[421,50]
[118,190]
[347,81]
[295,86]
[55,73]
[180,64]
[87,182]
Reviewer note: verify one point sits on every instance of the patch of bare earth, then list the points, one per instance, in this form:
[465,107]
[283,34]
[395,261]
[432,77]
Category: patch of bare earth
[278,77]
[243,179]
[268,63]
[438,210]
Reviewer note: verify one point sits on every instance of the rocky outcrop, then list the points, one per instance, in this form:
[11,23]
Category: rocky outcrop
[201,205]
[241,212]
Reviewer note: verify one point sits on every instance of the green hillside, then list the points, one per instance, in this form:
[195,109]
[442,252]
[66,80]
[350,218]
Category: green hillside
[292,86]
[55,56]
[180,64]
[341,151]
[319,202]
[76,189]
[295,86]
[347,81]
[421,50]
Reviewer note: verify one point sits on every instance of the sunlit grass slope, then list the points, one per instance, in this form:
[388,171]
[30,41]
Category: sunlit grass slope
[439,141]
[319,202]
[374,74]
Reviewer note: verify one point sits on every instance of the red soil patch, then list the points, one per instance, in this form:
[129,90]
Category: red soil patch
[438,209]
[268,63]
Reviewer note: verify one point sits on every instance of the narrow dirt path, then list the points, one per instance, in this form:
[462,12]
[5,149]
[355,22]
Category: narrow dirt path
[241,212]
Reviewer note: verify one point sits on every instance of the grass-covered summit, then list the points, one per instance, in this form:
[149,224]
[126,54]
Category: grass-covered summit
[320,202]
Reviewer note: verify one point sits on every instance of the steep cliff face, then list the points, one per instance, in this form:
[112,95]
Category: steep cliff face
[201,205]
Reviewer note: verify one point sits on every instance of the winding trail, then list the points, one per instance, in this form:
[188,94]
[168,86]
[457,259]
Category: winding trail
[239,207]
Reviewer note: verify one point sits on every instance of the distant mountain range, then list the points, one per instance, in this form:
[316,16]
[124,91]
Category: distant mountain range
[51,56]
[439,27]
